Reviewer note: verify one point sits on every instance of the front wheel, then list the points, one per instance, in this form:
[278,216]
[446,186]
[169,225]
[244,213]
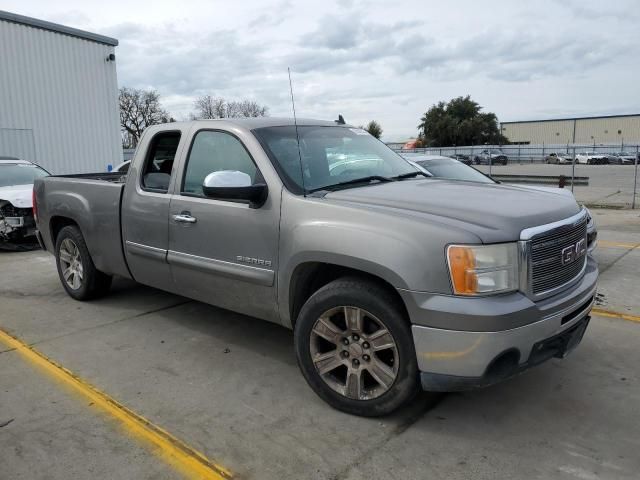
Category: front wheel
[78,275]
[355,348]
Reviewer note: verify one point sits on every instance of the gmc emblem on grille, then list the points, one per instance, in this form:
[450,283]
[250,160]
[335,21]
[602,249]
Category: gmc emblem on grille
[573,252]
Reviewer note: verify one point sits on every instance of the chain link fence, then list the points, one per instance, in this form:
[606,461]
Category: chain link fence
[598,175]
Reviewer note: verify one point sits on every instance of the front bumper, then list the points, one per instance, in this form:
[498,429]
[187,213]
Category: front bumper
[16,228]
[480,347]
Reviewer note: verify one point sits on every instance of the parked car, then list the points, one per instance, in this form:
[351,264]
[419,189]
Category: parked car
[591,158]
[466,159]
[495,156]
[445,167]
[16,187]
[622,158]
[559,158]
[123,167]
[391,280]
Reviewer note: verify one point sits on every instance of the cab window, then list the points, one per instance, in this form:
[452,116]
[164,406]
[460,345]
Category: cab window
[156,172]
[214,151]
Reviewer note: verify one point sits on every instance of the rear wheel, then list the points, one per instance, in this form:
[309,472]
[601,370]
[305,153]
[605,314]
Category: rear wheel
[78,275]
[355,348]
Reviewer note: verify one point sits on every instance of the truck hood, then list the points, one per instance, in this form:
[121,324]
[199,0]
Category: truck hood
[493,212]
[18,195]
[555,190]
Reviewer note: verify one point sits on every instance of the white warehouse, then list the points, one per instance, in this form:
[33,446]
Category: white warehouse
[58,96]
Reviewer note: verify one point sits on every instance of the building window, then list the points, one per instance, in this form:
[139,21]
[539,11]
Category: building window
[619,132]
[557,134]
[606,131]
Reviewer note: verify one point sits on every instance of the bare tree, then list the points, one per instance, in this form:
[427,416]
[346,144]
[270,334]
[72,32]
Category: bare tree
[208,106]
[246,108]
[140,109]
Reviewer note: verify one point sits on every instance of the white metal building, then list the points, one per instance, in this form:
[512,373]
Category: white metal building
[58,96]
[611,129]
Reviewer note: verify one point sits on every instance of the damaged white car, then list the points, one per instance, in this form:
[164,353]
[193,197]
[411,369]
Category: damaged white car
[17,224]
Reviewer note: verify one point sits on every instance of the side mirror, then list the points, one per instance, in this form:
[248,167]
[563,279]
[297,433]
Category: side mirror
[234,185]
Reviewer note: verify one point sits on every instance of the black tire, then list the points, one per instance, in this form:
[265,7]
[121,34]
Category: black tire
[94,283]
[366,295]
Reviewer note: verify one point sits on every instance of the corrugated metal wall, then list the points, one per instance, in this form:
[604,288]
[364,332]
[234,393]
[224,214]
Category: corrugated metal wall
[64,91]
[18,143]
[604,130]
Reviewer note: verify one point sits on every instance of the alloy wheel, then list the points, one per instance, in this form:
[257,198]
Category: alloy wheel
[71,264]
[354,353]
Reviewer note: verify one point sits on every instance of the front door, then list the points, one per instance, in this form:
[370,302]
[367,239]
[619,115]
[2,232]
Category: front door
[223,252]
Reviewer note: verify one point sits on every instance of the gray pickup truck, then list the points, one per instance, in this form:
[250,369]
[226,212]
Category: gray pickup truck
[390,281]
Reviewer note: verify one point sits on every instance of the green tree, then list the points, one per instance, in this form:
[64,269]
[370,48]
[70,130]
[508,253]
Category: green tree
[459,122]
[374,129]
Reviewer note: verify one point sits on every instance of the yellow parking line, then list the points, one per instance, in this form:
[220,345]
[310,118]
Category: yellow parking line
[607,313]
[606,243]
[190,462]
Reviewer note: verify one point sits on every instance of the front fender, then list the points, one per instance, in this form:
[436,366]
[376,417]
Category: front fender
[405,251]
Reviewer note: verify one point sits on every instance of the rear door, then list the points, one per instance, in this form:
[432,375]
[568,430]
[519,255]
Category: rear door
[145,208]
[223,252]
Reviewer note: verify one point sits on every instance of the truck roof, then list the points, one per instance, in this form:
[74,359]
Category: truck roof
[259,122]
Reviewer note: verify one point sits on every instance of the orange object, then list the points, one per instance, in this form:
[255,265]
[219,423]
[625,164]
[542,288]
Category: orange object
[462,263]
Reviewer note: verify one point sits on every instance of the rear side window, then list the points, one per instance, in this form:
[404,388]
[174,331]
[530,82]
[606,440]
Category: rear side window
[214,151]
[156,172]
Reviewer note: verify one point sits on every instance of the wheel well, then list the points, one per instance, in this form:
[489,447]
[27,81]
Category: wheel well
[58,223]
[310,277]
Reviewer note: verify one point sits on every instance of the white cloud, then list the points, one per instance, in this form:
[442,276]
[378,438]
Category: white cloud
[380,60]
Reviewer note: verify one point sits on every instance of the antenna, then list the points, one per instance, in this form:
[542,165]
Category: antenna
[295,122]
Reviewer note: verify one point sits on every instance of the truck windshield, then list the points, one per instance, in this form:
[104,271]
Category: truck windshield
[20,174]
[330,156]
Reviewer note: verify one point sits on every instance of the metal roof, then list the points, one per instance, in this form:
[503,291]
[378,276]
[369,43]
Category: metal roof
[55,27]
[573,118]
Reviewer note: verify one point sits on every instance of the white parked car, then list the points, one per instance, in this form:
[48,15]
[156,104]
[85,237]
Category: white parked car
[592,158]
[16,188]
[123,167]
[559,158]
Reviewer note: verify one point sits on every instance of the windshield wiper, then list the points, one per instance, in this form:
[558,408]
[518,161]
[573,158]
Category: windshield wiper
[368,179]
[410,175]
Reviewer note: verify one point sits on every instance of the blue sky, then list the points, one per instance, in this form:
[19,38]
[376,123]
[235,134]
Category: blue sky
[373,59]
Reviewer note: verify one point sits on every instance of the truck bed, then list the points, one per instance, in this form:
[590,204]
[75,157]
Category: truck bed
[115,177]
[91,201]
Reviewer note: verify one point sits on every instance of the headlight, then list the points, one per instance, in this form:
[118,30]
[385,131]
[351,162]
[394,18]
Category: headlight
[483,269]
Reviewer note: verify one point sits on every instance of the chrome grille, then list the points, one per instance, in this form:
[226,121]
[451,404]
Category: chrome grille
[545,254]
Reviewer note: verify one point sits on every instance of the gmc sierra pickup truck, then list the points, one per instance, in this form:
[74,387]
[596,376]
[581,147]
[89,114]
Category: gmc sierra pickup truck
[390,280]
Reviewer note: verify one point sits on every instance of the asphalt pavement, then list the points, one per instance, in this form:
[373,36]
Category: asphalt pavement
[228,386]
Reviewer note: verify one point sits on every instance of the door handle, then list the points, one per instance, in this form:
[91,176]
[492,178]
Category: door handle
[184,217]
